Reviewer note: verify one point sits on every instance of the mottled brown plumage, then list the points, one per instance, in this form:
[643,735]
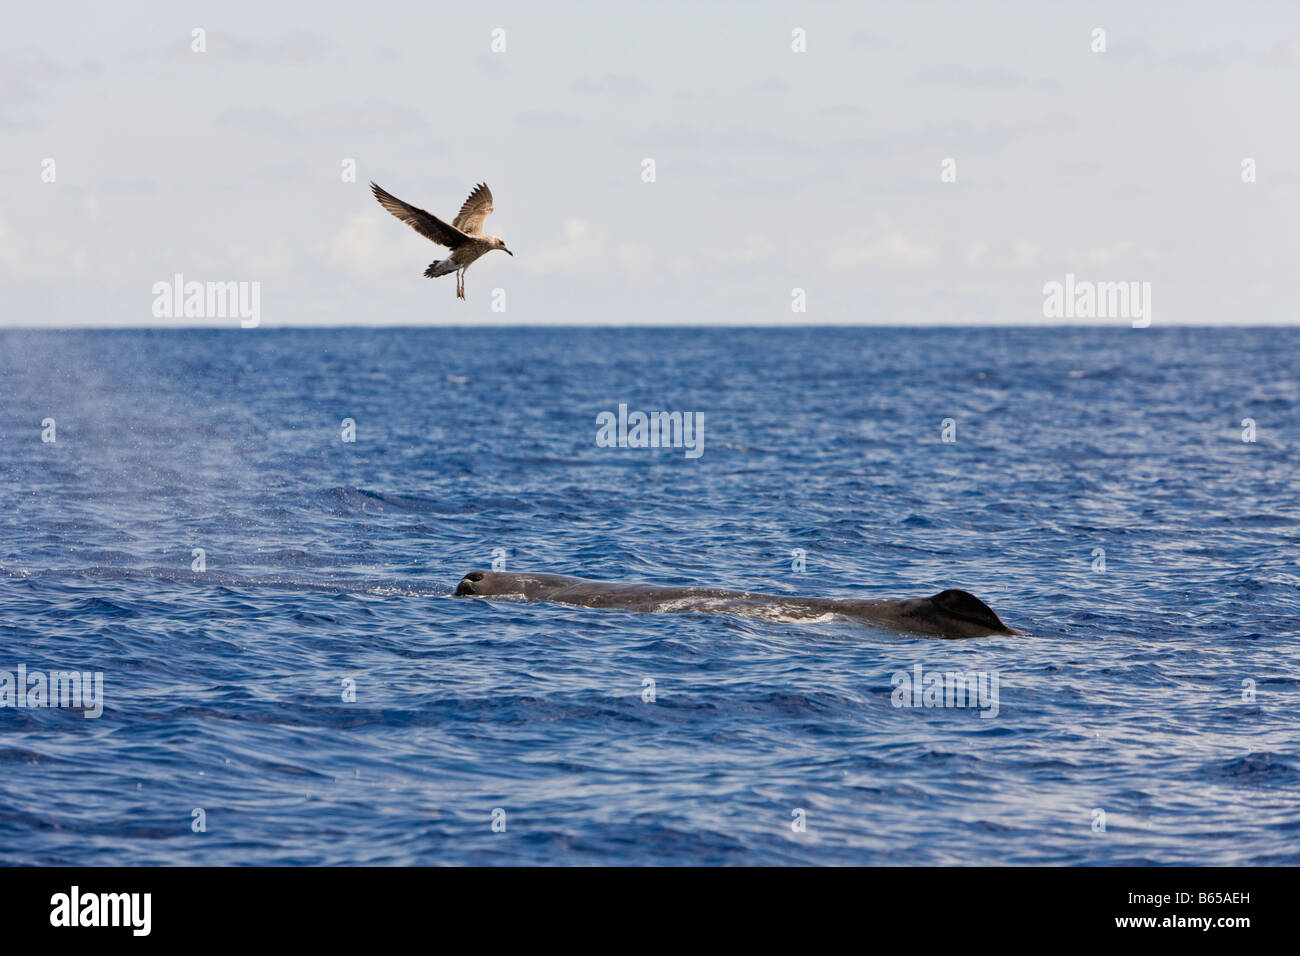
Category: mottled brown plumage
[464,237]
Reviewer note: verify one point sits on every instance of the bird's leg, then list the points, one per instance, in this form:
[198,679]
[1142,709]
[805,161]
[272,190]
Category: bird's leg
[460,284]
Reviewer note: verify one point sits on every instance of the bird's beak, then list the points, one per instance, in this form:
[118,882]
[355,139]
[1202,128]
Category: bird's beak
[507,251]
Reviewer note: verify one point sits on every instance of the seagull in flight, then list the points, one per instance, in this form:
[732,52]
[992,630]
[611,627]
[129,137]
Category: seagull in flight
[464,237]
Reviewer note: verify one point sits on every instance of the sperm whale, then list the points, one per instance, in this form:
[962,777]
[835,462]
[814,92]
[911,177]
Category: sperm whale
[949,614]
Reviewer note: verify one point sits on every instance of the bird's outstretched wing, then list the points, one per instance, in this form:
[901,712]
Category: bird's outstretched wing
[477,208]
[426,224]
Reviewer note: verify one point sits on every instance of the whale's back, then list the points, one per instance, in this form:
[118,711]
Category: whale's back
[967,607]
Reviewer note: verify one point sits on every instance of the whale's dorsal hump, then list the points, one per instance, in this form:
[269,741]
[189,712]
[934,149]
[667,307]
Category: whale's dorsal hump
[964,605]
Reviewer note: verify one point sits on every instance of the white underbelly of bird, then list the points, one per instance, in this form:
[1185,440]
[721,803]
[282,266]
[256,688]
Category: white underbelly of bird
[460,259]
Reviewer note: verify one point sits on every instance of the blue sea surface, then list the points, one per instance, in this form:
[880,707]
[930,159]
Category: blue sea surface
[1099,496]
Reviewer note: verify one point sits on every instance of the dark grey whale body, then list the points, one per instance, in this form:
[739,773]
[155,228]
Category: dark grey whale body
[949,613]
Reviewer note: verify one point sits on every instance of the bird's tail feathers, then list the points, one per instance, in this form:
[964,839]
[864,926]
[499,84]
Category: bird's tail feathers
[439,267]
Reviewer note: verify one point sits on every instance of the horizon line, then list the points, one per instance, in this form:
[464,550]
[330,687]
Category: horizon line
[645,325]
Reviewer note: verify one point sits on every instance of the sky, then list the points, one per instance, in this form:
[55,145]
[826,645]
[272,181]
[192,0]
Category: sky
[782,176]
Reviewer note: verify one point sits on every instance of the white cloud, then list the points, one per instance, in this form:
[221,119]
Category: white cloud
[368,247]
[887,248]
[42,257]
[580,248]
[268,257]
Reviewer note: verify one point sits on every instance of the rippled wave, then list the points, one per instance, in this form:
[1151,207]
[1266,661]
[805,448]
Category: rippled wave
[1158,694]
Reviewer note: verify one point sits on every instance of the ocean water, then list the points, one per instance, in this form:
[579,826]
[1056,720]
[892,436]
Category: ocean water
[1099,496]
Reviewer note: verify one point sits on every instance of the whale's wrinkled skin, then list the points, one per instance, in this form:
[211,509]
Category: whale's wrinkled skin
[950,614]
